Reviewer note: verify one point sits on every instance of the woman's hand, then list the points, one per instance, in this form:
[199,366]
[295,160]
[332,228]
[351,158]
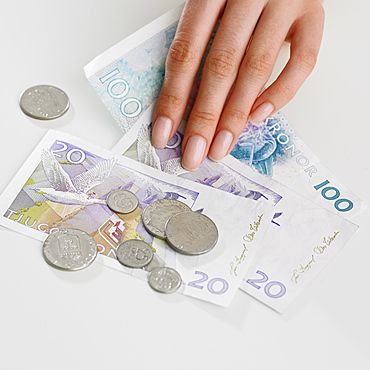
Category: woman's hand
[241,58]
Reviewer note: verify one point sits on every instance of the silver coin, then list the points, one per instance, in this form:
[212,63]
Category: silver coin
[44,102]
[134,253]
[164,279]
[191,233]
[69,249]
[122,201]
[157,213]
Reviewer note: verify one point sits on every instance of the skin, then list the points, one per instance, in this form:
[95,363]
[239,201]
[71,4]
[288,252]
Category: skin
[242,57]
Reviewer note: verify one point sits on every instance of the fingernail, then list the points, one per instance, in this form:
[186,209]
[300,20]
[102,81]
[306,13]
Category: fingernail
[261,112]
[221,145]
[194,152]
[161,132]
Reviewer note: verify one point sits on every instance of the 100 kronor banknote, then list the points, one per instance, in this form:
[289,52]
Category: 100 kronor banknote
[128,78]
[65,183]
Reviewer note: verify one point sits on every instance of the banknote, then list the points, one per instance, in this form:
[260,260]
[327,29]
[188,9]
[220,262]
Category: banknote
[128,78]
[299,228]
[66,181]
[137,146]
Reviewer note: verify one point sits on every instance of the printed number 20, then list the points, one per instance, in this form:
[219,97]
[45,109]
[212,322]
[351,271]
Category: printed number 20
[211,283]
[74,155]
[268,286]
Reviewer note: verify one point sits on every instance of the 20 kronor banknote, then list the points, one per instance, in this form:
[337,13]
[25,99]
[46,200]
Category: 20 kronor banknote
[128,78]
[65,183]
[302,239]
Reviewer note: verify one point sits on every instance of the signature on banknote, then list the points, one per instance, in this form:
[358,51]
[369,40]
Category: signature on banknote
[247,238]
[253,228]
[327,241]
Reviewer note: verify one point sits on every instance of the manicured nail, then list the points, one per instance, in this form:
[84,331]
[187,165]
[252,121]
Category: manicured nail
[161,132]
[221,145]
[261,113]
[194,152]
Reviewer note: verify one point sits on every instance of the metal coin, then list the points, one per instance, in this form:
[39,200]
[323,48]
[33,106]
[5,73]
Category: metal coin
[157,213]
[134,253]
[122,201]
[164,279]
[191,233]
[69,249]
[44,102]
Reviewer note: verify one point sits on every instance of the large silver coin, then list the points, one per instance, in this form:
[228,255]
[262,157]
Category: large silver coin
[122,201]
[69,249]
[164,279]
[134,253]
[44,102]
[157,213]
[191,233]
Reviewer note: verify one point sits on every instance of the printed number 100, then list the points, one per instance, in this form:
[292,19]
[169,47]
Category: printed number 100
[334,194]
[118,89]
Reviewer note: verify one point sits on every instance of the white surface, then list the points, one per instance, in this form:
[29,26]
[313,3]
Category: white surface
[100,318]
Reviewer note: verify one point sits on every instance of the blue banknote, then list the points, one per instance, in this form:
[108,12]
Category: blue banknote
[128,78]
[129,84]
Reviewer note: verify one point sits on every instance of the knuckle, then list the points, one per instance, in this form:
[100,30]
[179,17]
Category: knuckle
[236,115]
[171,102]
[221,63]
[259,64]
[285,92]
[181,53]
[306,60]
[204,118]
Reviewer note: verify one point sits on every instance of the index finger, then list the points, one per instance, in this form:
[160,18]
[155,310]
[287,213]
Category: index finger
[185,55]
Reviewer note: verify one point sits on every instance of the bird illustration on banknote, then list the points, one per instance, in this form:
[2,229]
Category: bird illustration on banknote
[168,161]
[76,190]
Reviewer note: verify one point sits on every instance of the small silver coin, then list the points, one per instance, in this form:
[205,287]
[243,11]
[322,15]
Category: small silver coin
[122,201]
[164,279]
[69,249]
[44,102]
[191,233]
[157,213]
[134,253]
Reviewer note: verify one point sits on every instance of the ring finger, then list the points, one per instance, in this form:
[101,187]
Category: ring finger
[254,72]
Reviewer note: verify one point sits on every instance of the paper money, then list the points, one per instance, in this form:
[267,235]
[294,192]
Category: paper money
[136,145]
[272,148]
[298,224]
[128,78]
[65,184]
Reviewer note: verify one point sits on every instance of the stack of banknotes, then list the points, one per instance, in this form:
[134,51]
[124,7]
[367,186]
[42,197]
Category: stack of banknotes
[280,213]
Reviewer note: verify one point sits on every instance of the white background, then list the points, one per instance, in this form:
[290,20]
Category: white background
[100,318]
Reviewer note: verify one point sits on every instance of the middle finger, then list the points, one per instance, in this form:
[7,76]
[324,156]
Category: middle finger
[255,70]
[219,73]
